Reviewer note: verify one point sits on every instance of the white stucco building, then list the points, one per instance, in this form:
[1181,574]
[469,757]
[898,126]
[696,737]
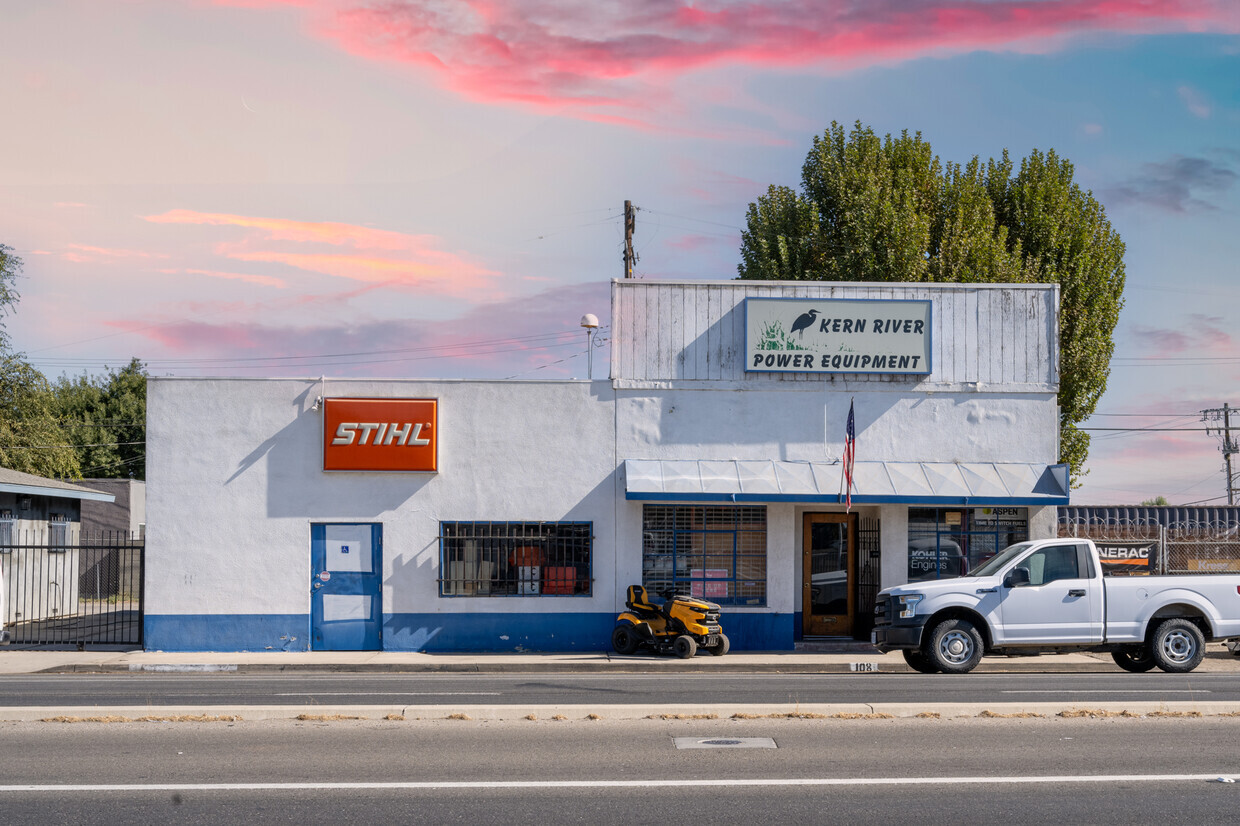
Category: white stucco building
[507,515]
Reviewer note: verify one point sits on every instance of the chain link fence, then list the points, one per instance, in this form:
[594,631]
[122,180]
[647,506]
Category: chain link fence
[1159,540]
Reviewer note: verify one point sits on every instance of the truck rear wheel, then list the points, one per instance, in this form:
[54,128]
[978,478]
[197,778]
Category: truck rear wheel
[954,646]
[1136,659]
[1178,646]
[919,662]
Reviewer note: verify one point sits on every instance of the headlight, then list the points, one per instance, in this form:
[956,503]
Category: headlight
[908,604]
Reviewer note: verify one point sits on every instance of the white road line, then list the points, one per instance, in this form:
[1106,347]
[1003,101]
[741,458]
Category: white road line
[612,784]
[1107,691]
[389,694]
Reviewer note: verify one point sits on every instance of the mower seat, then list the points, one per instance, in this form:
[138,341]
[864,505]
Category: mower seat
[639,603]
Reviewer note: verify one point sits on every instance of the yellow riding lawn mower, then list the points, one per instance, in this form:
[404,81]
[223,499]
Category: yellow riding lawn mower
[680,626]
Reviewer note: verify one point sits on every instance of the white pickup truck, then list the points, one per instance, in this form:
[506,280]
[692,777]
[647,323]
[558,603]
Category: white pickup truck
[1049,596]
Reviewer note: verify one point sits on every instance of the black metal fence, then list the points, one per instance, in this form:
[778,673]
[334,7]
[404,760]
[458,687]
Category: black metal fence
[71,590]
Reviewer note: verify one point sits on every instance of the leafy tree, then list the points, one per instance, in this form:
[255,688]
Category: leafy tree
[1156,502]
[31,437]
[887,209]
[105,418]
[10,268]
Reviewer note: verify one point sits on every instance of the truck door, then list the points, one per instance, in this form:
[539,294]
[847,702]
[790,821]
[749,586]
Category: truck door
[1061,604]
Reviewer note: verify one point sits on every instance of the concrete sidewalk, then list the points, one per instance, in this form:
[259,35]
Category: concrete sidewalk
[25,661]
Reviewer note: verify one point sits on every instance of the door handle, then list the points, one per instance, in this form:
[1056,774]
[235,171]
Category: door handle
[318,585]
[1076,592]
[987,590]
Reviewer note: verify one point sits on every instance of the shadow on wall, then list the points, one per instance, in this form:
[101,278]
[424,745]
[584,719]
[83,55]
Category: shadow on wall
[294,459]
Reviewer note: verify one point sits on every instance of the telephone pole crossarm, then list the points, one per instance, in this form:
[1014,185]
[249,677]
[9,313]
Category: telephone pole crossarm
[1229,448]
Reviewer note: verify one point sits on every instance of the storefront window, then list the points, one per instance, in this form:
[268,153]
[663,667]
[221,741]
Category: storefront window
[947,542]
[496,559]
[717,552]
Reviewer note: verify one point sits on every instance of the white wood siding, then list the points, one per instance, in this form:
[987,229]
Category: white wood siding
[1000,338]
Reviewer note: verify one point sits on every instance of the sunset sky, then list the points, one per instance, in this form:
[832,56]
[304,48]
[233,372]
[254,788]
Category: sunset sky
[434,188]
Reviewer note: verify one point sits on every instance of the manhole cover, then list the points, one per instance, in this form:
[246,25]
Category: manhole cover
[724,742]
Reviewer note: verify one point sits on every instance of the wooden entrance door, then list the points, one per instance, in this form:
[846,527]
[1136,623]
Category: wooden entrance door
[828,552]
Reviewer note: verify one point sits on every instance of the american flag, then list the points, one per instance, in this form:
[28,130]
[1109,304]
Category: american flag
[850,453]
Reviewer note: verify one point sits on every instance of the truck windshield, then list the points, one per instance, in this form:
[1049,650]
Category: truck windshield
[1000,559]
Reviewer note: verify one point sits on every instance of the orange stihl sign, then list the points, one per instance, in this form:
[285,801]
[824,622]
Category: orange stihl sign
[381,434]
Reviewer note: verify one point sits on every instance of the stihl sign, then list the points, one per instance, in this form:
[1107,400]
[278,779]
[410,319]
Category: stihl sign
[381,434]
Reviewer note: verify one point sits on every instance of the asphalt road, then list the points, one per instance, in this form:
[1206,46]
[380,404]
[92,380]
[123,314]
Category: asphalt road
[299,688]
[1121,771]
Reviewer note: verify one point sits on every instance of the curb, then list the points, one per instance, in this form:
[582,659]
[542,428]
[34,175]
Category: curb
[583,713]
[862,668]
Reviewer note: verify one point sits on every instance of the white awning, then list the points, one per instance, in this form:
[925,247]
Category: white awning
[982,484]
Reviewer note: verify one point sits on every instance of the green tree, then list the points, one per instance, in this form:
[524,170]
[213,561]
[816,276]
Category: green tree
[887,209]
[10,268]
[105,419]
[1156,502]
[31,437]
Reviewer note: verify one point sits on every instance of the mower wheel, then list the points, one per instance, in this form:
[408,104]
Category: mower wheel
[624,639]
[720,648]
[685,646]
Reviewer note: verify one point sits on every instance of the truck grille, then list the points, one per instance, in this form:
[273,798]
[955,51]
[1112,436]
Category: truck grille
[882,611]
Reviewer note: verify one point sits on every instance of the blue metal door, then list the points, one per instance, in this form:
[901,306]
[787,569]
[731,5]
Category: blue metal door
[346,563]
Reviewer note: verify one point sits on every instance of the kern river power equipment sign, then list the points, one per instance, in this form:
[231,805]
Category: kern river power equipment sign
[802,335]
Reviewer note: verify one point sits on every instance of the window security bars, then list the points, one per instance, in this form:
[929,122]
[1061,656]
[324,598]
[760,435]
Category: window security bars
[66,589]
[714,552]
[500,559]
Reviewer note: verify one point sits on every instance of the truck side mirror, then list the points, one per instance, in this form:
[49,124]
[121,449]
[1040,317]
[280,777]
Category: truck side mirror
[1016,577]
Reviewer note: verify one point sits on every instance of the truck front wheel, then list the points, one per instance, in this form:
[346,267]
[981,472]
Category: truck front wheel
[919,662]
[954,646]
[1178,646]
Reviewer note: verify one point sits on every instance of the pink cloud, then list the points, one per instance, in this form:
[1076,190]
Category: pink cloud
[1202,335]
[610,61]
[261,280]
[533,336]
[375,256]
[83,253]
[691,243]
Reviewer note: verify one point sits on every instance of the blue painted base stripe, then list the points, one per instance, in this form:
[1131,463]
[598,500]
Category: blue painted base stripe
[441,633]
[227,632]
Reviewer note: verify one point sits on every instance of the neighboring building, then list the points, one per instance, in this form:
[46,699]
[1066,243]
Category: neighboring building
[40,528]
[440,515]
[124,516]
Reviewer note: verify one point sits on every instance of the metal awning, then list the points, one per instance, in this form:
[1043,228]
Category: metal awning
[982,484]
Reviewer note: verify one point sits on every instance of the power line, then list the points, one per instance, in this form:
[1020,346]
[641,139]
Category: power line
[59,447]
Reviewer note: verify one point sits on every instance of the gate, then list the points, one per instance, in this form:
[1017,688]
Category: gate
[868,550]
[88,592]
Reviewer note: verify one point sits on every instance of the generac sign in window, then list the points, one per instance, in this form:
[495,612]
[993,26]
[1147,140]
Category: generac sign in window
[381,434]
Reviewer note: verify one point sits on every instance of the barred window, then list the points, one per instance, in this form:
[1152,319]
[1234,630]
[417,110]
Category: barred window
[715,552]
[497,559]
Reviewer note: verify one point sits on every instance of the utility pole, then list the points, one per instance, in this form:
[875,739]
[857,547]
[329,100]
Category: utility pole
[630,223]
[1229,445]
